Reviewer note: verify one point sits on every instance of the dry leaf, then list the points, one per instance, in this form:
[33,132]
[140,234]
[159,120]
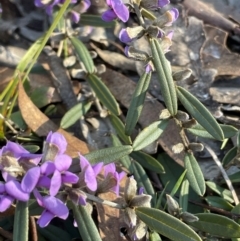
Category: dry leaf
[41,124]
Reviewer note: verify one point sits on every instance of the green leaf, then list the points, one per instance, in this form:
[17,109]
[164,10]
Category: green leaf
[83,54]
[109,154]
[225,193]
[95,21]
[200,113]
[149,134]
[194,174]
[235,177]
[218,202]
[178,183]
[74,114]
[136,105]
[31,148]
[119,127]
[166,224]
[184,193]
[125,160]
[154,236]
[141,177]
[103,93]
[198,130]
[217,225]
[20,227]
[147,161]
[86,225]
[230,155]
[163,70]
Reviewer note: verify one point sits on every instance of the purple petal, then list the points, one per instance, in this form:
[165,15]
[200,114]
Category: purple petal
[38,3]
[82,200]
[15,149]
[83,162]
[174,12]
[35,158]
[13,188]
[90,179]
[85,4]
[121,175]
[109,168]
[69,177]
[148,68]
[2,187]
[170,34]
[44,181]
[124,37]
[30,179]
[38,197]
[56,182]
[120,9]
[109,3]
[126,49]
[162,3]
[109,15]
[55,206]
[63,162]
[58,140]
[141,191]
[47,168]
[45,219]
[97,168]
[5,202]
[75,17]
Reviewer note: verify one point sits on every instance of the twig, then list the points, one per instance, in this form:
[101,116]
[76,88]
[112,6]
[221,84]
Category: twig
[224,174]
[33,229]
[8,124]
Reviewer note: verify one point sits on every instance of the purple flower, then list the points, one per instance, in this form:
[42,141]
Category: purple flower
[87,175]
[111,169]
[118,10]
[54,207]
[174,15]
[61,175]
[10,191]
[48,6]
[162,3]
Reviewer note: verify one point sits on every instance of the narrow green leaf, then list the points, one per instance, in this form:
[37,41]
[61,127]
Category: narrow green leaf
[149,134]
[163,70]
[125,160]
[194,174]
[103,93]
[136,105]
[161,197]
[178,183]
[141,177]
[20,227]
[184,193]
[119,127]
[86,225]
[225,193]
[109,154]
[83,54]
[166,224]
[74,114]
[95,21]
[200,113]
[147,161]
[198,130]
[230,155]
[217,225]
[147,14]
[218,202]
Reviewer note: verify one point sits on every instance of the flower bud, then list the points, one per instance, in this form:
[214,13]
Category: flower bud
[139,55]
[173,207]
[155,32]
[196,146]
[188,217]
[165,114]
[127,35]
[130,189]
[178,148]
[189,124]
[182,116]
[182,74]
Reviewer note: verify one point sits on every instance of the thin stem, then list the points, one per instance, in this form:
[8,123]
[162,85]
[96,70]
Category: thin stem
[104,202]
[224,174]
